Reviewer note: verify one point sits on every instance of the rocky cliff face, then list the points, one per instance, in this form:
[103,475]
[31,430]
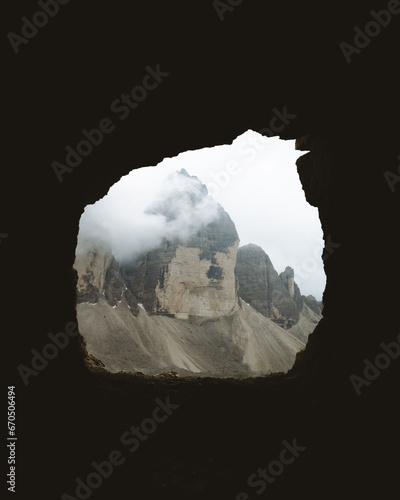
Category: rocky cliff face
[189,276]
[192,286]
[92,268]
[193,275]
[275,296]
[313,304]
[99,275]
[195,278]
[195,304]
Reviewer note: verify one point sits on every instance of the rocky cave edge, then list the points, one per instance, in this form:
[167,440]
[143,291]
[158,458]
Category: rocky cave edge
[319,170]
[318,384]
[314,402]
[74,412]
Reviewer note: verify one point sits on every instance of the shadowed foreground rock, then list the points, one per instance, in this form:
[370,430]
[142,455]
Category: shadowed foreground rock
[225,78]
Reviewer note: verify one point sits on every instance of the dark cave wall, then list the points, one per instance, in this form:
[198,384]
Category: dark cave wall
[345,180]
[221,83]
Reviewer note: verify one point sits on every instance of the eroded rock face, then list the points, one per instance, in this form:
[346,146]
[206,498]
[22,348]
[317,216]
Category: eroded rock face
[313,304]
[142,275]
[99,274]
[275,296]
[289,303]
[92,268]
[195,304]
[194,281]
[254,269]
[189,275]
[191,278]
[195,286]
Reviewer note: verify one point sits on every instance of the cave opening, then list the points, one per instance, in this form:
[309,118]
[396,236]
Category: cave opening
[208,264]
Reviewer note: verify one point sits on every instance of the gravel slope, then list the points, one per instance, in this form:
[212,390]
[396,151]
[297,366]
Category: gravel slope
[245,343]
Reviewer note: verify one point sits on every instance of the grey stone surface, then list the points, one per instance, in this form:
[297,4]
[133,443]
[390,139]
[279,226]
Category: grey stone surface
[275,296]
[195,305]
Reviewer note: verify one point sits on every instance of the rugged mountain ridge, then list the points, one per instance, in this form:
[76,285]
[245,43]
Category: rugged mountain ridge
[274,295]
[99,275]
[194,278]
[198,304]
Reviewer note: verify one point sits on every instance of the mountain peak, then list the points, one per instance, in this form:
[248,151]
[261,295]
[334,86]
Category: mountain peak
[194,302]
[184,172]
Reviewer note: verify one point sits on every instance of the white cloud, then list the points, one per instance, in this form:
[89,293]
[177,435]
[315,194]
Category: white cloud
[254,179]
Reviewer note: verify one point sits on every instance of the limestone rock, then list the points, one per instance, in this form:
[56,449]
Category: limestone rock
[313,304]
[275,296]
[255,273]
[175,310]
[193,286]
[191,278]
[308,320]
[92,268]
[99,274]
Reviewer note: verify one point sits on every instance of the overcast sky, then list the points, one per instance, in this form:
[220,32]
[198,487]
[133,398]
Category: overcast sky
[254,179]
